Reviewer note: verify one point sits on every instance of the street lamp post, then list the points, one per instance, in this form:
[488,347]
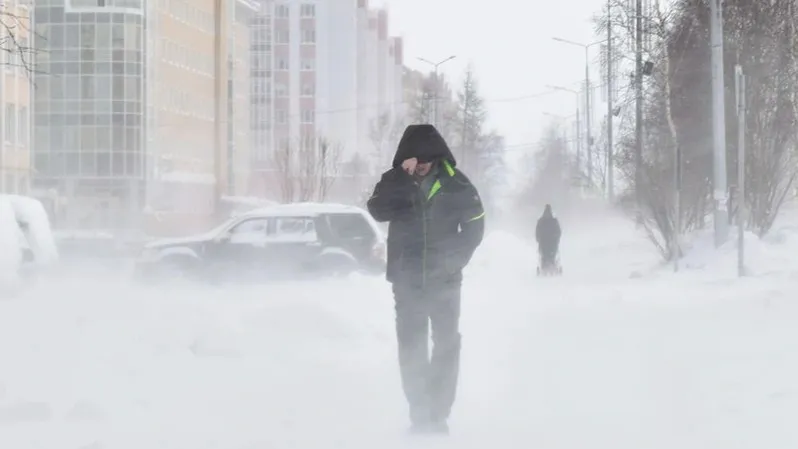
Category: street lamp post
[588,138]
[435,65]
[561,119]
[721,214]
[578,129]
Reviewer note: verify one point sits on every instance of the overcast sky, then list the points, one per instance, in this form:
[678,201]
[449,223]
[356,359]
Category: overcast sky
[509,43]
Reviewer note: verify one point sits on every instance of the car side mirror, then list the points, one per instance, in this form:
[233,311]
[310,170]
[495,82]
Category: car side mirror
[224,238]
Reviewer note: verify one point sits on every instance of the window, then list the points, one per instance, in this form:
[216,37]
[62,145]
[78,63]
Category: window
[307,10]
[282,11]
[10,122]
[282,36]
[308,116]
[23,126]
[280,90]
[249,231]
[282,64]
[308,36]
[308,90]
[350,226]
[281,116]
[308,64]
[117,36]
[296,229]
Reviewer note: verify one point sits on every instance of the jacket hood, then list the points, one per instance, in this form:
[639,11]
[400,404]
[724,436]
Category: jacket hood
[547,211]
[423,142]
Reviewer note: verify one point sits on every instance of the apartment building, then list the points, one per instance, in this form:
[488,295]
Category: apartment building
[239,129]
[380,77]
[320,70]
[15,88]
[185,161]
[124,113]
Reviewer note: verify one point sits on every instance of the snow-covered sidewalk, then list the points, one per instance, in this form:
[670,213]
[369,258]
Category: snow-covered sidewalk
[591,360]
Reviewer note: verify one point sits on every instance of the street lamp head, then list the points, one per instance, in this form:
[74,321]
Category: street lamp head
[566,41]
[563,89]
[436,64]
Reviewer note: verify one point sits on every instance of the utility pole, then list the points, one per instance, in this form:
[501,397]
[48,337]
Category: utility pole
[639,108]
[721,216]
[578,128]
[610,157]
[741,111]
[588,138]
[578,139]
[435,92]
[219,101]
[677,207]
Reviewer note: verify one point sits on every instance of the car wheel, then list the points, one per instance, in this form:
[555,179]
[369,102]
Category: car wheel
[337,266]
[177,268]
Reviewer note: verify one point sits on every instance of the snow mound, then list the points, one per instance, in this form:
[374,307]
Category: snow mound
[772,255]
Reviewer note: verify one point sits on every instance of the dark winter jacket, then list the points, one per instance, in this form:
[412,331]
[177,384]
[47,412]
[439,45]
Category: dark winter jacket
[434,231]
[548,231]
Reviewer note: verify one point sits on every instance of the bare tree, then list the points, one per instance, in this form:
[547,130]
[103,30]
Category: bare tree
[308,169]
[355,169]
[284,164]
[669,30]
[471,117]
[761,37]
[423,102]
[384,134]
[551,181]
[329,167]
[15,36]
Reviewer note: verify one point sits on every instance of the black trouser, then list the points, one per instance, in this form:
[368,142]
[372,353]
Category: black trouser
[430,384]
[548,254]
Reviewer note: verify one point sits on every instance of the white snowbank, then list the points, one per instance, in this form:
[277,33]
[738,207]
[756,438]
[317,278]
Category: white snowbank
[772,256]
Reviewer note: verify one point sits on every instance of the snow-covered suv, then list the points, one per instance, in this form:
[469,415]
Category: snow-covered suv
[27,247]
[288,241]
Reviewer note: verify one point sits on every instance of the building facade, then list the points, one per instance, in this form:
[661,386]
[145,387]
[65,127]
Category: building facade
[124,112]
[321,70]
[15,104]
[89,124]
[262,86]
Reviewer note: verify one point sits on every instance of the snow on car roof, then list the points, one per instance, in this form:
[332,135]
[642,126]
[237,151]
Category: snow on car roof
[312,210]
[305,209]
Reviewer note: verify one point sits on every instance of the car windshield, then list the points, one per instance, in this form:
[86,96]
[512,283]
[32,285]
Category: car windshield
[217,230]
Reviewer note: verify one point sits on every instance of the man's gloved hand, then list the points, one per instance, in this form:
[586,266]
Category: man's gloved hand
[409,165]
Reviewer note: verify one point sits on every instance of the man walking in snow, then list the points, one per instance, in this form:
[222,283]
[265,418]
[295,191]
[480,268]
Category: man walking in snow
[436,222]
[548,233]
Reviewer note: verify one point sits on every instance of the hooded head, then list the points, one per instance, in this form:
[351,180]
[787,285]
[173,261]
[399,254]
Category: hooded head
[424,143]
[547,211]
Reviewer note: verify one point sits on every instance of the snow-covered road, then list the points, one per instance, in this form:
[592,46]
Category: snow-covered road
[595,359]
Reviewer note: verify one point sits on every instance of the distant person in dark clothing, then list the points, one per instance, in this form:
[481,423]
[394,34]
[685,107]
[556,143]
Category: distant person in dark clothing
[548,234]
[436,222]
